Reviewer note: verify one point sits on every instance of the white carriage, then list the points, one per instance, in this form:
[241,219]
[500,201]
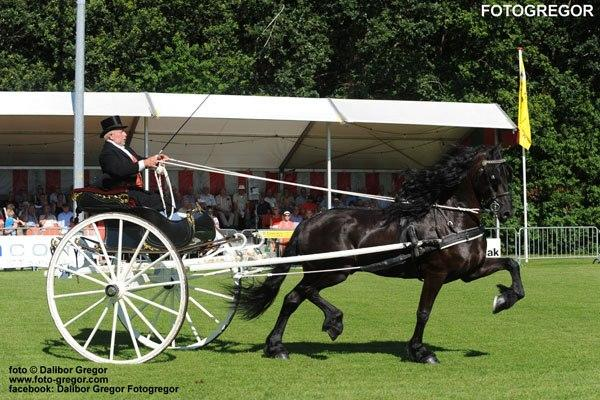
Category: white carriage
[127,282]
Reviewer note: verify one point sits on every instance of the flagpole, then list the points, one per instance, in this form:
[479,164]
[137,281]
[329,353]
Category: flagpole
[525,142]
[525,238]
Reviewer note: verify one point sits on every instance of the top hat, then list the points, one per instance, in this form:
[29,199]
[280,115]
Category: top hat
[111,123]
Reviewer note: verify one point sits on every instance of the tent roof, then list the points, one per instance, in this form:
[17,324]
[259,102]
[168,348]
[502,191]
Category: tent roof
[256,132]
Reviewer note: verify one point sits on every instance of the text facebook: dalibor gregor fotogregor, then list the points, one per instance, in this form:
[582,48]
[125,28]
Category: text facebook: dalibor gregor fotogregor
[537,10]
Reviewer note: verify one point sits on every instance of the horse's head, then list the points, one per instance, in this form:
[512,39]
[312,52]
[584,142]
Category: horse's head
[491,182]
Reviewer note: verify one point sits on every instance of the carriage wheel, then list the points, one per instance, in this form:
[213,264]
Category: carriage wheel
[101,272]
[212,302]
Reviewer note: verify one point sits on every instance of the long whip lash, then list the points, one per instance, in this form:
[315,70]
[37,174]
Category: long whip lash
[184,123]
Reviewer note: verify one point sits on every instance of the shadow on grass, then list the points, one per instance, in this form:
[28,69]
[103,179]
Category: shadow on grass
[321,351]
[124,349]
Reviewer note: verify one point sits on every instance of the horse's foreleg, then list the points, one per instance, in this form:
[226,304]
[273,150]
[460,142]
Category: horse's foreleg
[508,295]
[274,346]
[417,351]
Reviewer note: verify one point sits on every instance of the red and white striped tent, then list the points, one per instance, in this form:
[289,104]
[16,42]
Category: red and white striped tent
[372,141]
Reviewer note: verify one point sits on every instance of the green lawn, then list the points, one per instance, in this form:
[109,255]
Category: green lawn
[546,347]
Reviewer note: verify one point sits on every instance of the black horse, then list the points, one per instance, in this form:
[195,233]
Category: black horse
[438,211]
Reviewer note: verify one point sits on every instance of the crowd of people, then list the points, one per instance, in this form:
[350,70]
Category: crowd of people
[41,212]
[36,213]
[267,209]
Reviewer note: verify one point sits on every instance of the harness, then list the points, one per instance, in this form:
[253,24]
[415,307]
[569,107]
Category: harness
[419,248]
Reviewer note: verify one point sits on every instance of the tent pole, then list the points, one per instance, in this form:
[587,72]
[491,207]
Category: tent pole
[78,137]
[146,154]
[328,166]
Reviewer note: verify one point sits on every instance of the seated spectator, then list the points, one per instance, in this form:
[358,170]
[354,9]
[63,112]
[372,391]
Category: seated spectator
[263,213]
[65,218]
[210,211]
[269,198]
[287,224]
[276,216]
[308,205]
[296,217]
[309,213]
[28,215]
[301,198]
[47,218]
[224,209]
[12,223]
[206,199]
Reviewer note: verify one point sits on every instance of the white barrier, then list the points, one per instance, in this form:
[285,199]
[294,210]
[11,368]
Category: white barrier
[25,251]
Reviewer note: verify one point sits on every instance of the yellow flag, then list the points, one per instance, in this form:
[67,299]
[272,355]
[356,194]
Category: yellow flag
[523,120]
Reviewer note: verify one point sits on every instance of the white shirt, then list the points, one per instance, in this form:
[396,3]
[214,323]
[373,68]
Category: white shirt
[141,165]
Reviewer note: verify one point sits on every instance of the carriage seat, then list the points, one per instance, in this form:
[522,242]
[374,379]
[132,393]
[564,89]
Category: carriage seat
[96,200]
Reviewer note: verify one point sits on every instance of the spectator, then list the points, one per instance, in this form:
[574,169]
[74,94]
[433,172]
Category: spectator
[276,216]
[269,198]
[301,198]
[188,196]
[263,213]
[308,205]
[28,215]
[287,224]
[65,218]
[47,219]
[206,199]
[210,212]
[240,204]
[224,209]
[296,217]
[12,222]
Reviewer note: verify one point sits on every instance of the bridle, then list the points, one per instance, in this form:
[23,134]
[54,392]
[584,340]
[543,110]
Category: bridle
[494,204]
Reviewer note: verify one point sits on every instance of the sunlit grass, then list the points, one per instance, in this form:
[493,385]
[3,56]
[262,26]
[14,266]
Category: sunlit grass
[547,346]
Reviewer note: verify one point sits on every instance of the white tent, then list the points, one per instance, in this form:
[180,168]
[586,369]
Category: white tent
[245,132]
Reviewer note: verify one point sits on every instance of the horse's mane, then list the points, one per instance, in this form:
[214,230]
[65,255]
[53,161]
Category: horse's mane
[423,188]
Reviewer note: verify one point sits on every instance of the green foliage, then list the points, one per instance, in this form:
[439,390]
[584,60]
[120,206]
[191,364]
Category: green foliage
[401,49]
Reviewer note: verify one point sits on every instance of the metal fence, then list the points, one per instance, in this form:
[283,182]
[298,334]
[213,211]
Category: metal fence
[509,240]
[559,242]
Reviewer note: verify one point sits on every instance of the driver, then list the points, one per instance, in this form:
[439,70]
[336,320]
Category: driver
[122,166]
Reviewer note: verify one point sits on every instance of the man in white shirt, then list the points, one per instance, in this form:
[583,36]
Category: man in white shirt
[65,218]
[206,199]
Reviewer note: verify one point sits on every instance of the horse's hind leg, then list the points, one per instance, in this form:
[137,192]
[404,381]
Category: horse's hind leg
[309,288]
[508,295]
[274,346]
[333,324]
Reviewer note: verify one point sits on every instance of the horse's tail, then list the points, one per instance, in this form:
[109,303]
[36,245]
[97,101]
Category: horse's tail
[255,298]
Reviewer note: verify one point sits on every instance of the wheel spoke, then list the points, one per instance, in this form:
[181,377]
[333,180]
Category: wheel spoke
[204,310]
[153,285]
[104,252]
[143,307]
[89,339]
[130,329]
[193,328]
[81,314]
[119,250]
[135,296]
[84,276]
[147,267]
[136,253]
[59,296]
[143,318]
[224,296]
[113,333]
[94,263]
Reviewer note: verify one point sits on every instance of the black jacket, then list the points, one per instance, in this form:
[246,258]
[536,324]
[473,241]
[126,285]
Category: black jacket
[118,168]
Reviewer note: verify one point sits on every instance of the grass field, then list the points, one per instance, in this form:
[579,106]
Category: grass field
[546,347]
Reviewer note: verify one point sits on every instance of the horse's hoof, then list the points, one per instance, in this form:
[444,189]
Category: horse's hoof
[432,359]
[498,304]
[282,356]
